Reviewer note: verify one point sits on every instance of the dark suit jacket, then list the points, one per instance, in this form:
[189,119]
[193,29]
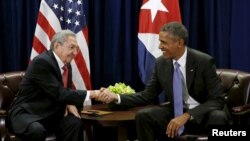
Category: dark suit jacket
[42,93]
[202,82]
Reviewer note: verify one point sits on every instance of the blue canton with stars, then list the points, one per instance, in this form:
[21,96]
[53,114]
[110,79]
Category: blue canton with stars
[69,13]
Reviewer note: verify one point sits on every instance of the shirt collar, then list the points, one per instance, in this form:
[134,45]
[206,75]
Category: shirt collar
[182,61]
[59,61]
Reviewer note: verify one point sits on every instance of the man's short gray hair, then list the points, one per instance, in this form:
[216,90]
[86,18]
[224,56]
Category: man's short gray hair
[177,29]
[61,37]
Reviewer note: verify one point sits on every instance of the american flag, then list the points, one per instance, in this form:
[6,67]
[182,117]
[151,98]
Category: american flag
[55,15]
[153,15]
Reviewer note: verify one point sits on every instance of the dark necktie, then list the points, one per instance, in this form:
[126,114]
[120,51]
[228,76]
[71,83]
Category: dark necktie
[177,89]
[65,75]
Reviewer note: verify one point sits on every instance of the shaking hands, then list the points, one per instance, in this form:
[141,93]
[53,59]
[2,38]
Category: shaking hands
[104,95]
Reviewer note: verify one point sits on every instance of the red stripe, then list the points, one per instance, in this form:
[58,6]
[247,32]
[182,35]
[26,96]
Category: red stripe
[81,64]
[73,86]
[82,68]
[38,46]
[85,34]
[45,25]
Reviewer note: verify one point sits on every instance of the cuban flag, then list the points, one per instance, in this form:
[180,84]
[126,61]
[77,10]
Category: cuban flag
[153,15]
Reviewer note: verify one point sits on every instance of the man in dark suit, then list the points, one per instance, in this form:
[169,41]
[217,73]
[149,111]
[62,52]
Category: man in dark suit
[202,102]
[45,104]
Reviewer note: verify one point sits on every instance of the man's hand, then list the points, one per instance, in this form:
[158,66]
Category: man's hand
[94,93]
[106,96]
[175,124]
[73,110]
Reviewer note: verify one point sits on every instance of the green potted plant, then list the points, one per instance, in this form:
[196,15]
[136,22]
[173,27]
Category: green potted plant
[119,88]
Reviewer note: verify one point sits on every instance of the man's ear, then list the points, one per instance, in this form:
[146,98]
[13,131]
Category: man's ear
[56,45]
[181,42]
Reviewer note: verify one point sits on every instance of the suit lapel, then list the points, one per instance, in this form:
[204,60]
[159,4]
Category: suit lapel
[168,74]
[190,68]
[70,76]
[55,65]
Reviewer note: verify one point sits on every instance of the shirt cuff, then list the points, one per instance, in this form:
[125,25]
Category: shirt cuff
[191,117]
[118,99]
[87,100]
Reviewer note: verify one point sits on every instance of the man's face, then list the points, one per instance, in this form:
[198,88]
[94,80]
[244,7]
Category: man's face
[170,47]
[68,50]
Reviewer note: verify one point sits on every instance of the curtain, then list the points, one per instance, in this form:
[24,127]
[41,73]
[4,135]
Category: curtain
[17,25]
[113,31]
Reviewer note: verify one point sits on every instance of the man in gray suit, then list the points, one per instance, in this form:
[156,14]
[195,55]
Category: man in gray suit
[202,102]
[45,103]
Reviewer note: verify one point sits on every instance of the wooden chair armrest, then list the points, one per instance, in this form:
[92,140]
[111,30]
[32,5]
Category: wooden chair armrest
[241,110]
[4,133]
[3,112]
[3,115]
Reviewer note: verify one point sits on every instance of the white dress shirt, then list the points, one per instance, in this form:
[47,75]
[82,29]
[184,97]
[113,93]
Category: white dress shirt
[87,100]
[189,102]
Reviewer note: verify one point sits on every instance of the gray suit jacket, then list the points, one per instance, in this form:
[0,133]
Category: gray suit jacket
[42,93]
[202,82]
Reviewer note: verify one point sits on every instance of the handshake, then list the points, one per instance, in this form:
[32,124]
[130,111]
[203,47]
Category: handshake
[104,95]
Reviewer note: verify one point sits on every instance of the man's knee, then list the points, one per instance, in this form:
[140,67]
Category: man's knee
[142,114]
[35,131]
[74,122]
[218,117]
[218,114]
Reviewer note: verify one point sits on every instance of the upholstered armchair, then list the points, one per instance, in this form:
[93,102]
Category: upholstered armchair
[236,85]
[9,86]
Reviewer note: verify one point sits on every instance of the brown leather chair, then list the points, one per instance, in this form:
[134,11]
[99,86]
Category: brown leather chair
[236,85]
[9,86]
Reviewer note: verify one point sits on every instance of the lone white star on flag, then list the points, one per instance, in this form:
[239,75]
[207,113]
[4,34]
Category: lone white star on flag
[153,15]
[154,6]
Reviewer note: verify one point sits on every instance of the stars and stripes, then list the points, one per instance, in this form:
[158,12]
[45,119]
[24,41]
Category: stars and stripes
[55,15]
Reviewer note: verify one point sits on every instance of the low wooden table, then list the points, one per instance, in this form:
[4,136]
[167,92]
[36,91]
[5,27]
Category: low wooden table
[119,119]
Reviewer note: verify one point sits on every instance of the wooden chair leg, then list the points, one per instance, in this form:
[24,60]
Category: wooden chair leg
[89,132]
